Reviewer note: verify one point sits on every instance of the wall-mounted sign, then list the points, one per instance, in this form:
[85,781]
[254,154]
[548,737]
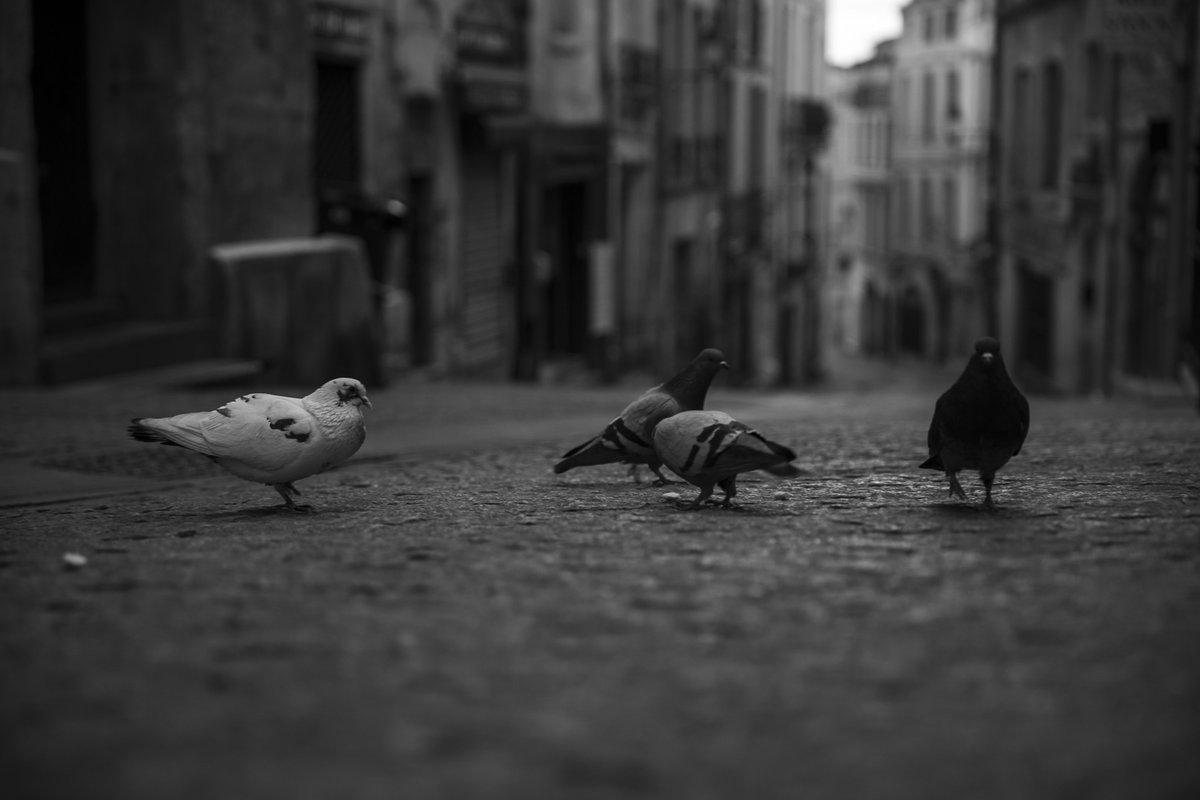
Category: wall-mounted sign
[1139,25]
[490,43]
[330,21]
[492,32]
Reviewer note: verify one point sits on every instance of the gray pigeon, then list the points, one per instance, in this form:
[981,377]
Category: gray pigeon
[271,439]
[978,423]
[627,439]
[711,448]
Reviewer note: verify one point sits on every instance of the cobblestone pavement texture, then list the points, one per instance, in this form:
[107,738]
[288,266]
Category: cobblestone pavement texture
[457,622]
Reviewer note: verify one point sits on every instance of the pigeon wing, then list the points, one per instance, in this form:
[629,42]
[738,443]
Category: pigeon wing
[712,444]
[642,416]
[934,437]
[262,431]
[739,448]
[1023,413]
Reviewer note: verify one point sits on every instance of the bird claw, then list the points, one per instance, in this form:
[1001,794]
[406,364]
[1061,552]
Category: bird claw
[956,489]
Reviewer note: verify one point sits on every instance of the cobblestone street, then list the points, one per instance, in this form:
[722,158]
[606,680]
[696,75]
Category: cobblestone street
[457,622]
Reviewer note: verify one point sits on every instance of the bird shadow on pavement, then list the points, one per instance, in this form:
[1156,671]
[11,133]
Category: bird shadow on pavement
[253,513]
[976,510]
[708,509]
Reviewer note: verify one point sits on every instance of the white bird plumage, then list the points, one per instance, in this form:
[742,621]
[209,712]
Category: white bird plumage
[268,438]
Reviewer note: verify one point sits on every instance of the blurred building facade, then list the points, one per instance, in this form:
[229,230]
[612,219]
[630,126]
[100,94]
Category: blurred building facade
[1096,277]
[137,137]
[537,186]
[861,297]
[941,110]
[743,118]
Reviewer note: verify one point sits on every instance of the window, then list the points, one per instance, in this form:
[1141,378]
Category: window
[928,104]
[564,18]
[756,136]
[1018,142]
[753,31]
[1095,80]
[1052,101]
[953,112]
[930,27]
[950,213]
[926,211]
[951,23]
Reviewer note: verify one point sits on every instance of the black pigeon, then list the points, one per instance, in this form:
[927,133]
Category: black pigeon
[979,423]
[628,438]
[711,448]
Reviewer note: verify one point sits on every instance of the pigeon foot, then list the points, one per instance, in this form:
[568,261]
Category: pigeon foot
[287,491]
[956,489]
[660,479]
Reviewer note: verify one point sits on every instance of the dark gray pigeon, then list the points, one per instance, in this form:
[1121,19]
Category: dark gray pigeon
[979,423]
[627,439]
[267,438]
[711,448]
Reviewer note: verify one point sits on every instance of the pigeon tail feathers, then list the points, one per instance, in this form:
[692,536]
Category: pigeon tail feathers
[784,470]
[589,454]
[142,432]
[182,430]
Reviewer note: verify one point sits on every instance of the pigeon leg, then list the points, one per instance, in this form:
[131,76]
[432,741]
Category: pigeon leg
[633,473]
[287,491]
[663,480]
[729,486]
[705,493]
[956,489]
[987,487]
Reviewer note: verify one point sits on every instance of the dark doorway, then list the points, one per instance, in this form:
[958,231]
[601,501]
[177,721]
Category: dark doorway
[1035,324]
[336,157]
[871,324]
[912,323]
[62,123]
[420,222]
[684,312]
[566,297]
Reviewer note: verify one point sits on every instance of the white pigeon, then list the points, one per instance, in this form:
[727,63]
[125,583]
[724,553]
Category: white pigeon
[267,438]
[711,448]
[626,440]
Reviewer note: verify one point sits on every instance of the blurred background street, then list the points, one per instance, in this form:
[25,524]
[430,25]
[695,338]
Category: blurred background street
[509,217]
[564,190]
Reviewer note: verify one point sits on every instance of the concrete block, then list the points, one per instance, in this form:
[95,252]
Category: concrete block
[302,307]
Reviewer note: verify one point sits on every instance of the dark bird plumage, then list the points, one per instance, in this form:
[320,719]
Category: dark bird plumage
[711,448]
[628,439]
[978,423]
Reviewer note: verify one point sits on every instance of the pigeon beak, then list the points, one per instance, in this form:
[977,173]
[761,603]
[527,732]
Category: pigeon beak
[988,358]
[724,365]
[366,401]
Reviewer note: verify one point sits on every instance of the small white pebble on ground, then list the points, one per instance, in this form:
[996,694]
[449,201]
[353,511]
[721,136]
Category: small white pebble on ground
[74,560]
[671,496]
[781,495]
